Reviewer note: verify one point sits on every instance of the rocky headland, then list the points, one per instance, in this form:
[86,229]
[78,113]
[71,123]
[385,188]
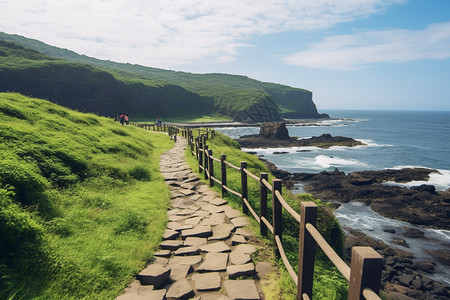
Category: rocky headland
[275,134]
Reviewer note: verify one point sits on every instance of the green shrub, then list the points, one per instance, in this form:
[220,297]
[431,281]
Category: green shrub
[130,221]
[140,172]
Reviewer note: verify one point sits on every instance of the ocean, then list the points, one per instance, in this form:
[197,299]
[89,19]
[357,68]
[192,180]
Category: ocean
[394,139]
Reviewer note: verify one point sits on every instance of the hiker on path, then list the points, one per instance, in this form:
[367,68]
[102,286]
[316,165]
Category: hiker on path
[122,118]
[158,122]
[127,120]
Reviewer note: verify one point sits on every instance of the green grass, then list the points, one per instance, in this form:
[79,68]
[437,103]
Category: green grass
[169,92]
[189,118]
[82,203]
[328,283]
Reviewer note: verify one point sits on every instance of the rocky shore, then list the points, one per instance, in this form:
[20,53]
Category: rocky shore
[419,205]
[403,276]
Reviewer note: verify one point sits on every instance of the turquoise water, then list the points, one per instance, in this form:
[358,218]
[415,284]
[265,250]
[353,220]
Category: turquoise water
[393,139]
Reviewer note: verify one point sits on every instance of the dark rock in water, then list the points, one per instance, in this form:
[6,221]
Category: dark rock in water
[274,130]
[358,179]
[275,134]
[442,255]
[412,233]
[389,230]
[425,188]
[400,241]
[426,266]
[282,152]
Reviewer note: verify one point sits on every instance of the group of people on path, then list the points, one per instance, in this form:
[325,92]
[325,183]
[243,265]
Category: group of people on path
[124,119]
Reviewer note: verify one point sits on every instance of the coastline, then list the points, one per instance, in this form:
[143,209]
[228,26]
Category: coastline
[403,273]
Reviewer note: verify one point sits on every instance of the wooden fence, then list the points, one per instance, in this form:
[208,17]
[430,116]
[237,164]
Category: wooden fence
[364,273]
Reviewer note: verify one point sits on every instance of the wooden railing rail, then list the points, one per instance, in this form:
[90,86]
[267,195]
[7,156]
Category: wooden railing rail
[364,273]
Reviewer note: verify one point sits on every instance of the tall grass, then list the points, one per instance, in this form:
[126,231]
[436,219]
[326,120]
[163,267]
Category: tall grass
[328,283]
[82,202]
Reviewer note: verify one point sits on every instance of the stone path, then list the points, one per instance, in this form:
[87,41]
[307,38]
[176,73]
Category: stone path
[205,246]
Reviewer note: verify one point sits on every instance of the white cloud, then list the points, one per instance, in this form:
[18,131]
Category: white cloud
[356,51]
[172,32]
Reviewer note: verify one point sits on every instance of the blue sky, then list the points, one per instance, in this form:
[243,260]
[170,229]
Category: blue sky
[352,54]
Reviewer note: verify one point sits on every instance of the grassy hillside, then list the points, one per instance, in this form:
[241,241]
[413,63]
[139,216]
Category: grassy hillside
[230,94]
[328,282]
[82,203]
[86,88]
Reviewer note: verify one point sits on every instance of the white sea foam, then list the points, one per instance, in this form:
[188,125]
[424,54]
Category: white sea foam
[329,161]
[441,180]
[283,149]
[371,143]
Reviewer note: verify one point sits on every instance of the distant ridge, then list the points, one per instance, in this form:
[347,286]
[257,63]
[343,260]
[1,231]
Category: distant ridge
[111,87]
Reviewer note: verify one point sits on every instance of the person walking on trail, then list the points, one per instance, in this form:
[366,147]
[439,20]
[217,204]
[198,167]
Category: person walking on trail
[158,122]
[127,120]
[122,118]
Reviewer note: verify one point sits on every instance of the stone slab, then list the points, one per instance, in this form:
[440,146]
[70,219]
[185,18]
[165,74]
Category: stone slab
[214,219]
[195,241]
[212,296]
[207,281]
[241,289]
[185,260]
[239,222]
[232,213]
[198,231]
[190,250]
[179,272]
[155,275]
[218,201]
[154,295]
[235,271]
[239,258]
[238,239]
[170,234]
[214,262]
[245,248]
[171,244]
[217,247]
[221,232]
[244,233]
[193,221]
[185,212]
[162,253]
[181,289]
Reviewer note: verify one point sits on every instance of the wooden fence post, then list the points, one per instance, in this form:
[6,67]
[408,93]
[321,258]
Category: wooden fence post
[365,272]
[263,203]
[277,214]
[211,168]
[223,169]
[205,159]
[196,148]
[306,250]
[200,156]
[244,188]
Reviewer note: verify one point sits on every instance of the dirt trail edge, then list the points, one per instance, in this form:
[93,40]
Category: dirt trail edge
[205,252]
